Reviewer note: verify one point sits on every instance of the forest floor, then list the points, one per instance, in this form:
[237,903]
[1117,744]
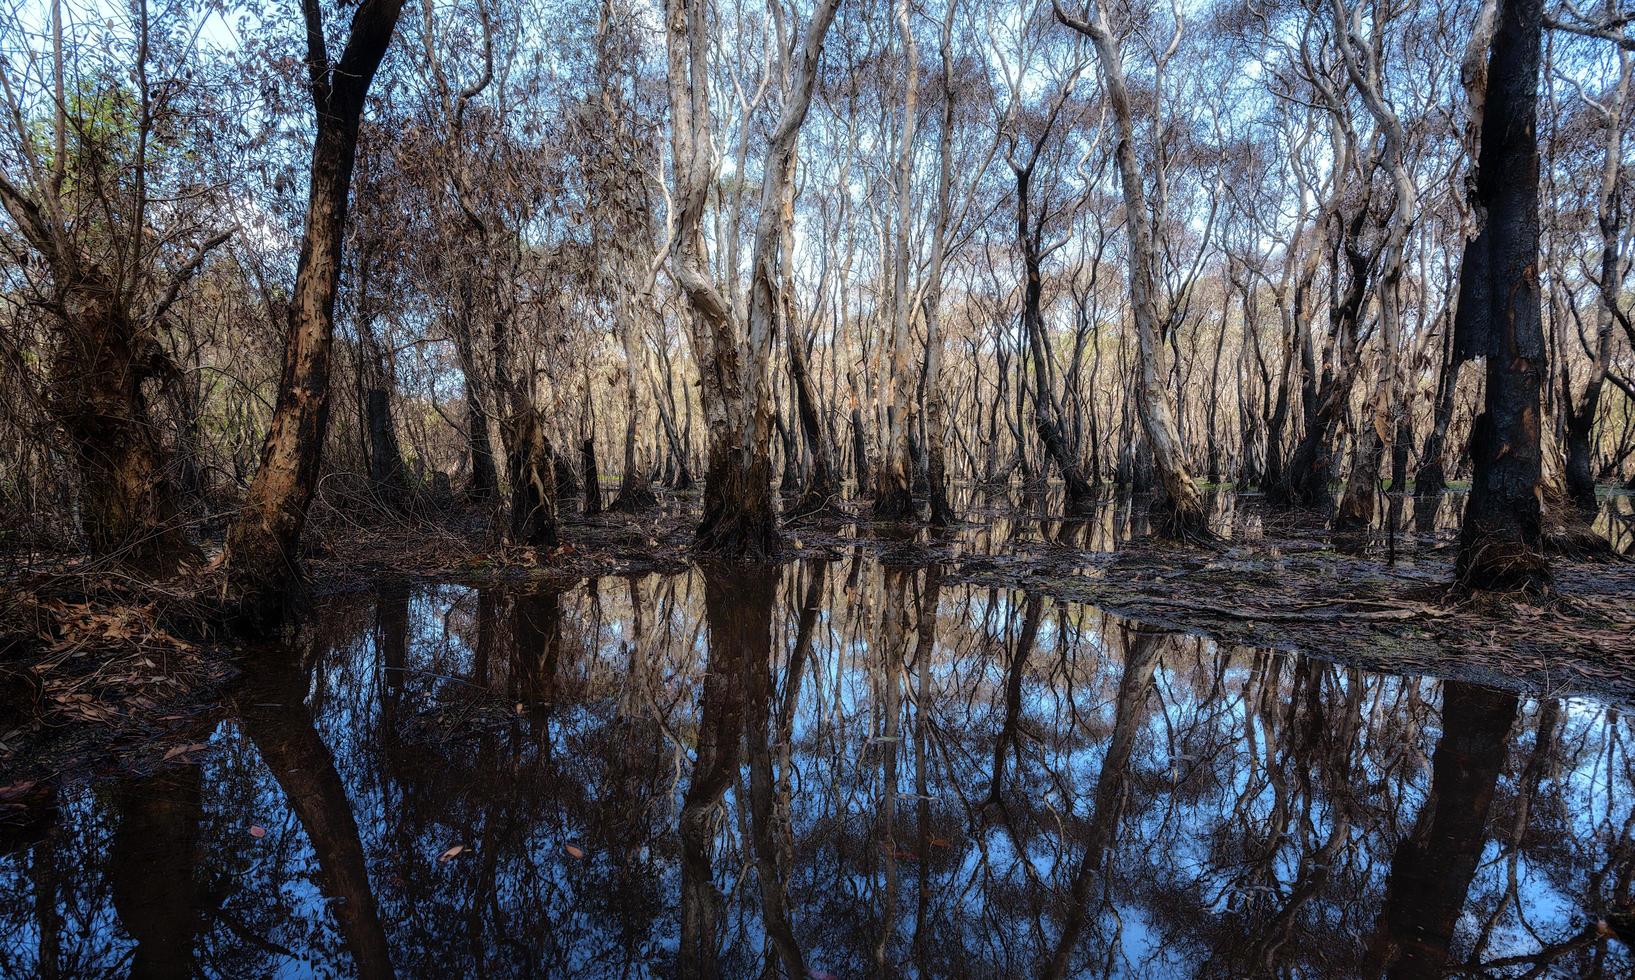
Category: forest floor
[91,659]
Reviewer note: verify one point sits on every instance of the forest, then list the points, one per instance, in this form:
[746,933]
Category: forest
[915,449]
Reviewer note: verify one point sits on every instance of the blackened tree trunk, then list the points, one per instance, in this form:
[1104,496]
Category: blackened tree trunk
[485,478]
[387,476]
[592,476]
[1046,411]
[1431,477]
[533,482]
[1498,318]
[263,543]
[822,483]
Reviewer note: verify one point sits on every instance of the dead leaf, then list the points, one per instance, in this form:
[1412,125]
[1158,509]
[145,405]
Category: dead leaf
[574,852]
[451,854]
[182,750]
[257,831]
[15,790]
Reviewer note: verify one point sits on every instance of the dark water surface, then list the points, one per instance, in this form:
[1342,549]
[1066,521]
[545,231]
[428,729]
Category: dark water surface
[827,769]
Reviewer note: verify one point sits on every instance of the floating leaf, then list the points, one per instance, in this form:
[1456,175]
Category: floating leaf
[451,854]
[257,831]
[574,852]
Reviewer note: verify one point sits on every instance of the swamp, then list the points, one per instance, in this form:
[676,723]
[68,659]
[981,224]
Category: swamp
[817,488]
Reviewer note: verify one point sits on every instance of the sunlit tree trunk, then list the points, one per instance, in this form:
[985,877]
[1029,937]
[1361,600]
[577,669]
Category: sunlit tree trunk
[1179,509]
[740,511]
[1387,407]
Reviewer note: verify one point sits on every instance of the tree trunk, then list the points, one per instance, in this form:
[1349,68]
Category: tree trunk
[533,482]
[861,469]
[128,507]
[1499,319]
[1581,418]
[485,477]
[264,541]
[894,492]
[387,476]
[822,486]
[740,511]
[635,489]
[1179,509]
[1046,414]
[1430,479]
[591,475]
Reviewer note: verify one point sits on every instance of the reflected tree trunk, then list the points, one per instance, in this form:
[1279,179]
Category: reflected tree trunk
[1006,742]
[153,868]
[1141,657]
[738,616]
[275,716]
[1432,870]
[765,820]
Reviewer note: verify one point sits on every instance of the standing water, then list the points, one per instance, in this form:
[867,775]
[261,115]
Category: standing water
[826,769]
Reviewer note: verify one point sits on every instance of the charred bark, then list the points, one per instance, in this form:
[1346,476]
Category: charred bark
[822,484]
[591,475]
[387,475]
[263,543]
[128,506]
[1499,320]
[740,509]
[533,483]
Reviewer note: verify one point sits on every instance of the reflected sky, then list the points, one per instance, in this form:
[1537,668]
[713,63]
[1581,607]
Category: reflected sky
[825,769]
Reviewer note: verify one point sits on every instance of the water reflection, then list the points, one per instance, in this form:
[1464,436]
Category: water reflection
[837,769]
